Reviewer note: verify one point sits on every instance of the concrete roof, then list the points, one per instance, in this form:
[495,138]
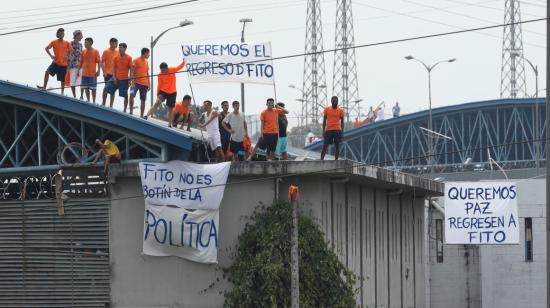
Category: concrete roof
[339,170]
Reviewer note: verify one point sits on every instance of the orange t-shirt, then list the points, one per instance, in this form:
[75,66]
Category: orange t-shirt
[88,61]
[60,50]
[167,82]
[334,118]
[181,108]
[108,56]
[270,119]
[141,71]
[123,65]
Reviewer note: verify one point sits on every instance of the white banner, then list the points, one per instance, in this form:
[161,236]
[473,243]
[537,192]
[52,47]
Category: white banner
[481,213]
[229,62]
[182,203]
[172,231]
[184,184]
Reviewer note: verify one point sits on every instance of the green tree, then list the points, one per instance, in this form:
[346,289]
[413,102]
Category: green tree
[260,273]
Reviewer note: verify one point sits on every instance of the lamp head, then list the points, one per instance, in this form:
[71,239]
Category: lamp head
[452,60]
[292,86]
[185,23]
[245,20]
[409,57]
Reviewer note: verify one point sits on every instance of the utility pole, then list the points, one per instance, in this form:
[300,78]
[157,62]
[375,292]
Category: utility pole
[294,195]
[244,21]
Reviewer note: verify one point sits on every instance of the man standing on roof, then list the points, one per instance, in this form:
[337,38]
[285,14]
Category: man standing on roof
[182,113]
[166,90]
[396,110]
[212,130]
[89,60]
[139,80]
[61,51]
[333,124]
[107,62]
[270,129]
[235,124]
[282,142]
[121,68]
[74,61]
[224,134]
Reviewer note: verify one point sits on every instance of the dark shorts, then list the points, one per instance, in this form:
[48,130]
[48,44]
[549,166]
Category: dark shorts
[121,86]
[107,77]
[237,147]
[225,137]
[88,83]
[57,70]
[268,142]
[332,136]
[142,91]
[169,97]
[114,160]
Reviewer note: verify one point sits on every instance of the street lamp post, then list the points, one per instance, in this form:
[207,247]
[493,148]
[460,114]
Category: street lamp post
[429,68]
[154,42]
[244,21]
[304,101]
[536,122]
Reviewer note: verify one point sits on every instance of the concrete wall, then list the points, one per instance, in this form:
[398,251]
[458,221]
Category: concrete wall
[379,236]
[494,276]
[507,279]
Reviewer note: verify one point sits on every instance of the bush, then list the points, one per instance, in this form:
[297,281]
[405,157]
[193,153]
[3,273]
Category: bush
[260,273]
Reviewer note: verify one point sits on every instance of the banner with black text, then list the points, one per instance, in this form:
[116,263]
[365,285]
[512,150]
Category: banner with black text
[182,203]
[229,62]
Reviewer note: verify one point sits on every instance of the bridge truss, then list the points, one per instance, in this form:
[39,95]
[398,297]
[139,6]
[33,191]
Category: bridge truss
[501,129]
[32,137]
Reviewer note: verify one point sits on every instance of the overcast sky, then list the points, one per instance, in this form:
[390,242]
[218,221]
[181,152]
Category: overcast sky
[383,73]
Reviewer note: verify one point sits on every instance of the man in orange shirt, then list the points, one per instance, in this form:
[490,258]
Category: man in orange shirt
[107,62]
[89,61]
[61,51]
[270,129]
[166,90]
[182,113]
[139,80]
[333,124]
[119,81]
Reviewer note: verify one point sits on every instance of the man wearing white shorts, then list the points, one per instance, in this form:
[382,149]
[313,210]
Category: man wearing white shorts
[74,61]
[211,124]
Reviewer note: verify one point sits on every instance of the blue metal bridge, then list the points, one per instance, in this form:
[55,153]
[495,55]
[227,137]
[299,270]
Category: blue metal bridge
[42,130]
[505,130]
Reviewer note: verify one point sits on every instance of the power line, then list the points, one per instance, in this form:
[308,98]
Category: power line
[252,33]
[414,38]
[99,17]
[189,14]
[49,16]
[463,15]
[58,7]
[489,7]
[439,23]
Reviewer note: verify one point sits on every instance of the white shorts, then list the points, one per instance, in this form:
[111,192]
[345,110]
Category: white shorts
[214,141]
[75,82]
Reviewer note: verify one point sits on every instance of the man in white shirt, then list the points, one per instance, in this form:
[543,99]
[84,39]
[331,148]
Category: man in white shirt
[235,124]
[212,130]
